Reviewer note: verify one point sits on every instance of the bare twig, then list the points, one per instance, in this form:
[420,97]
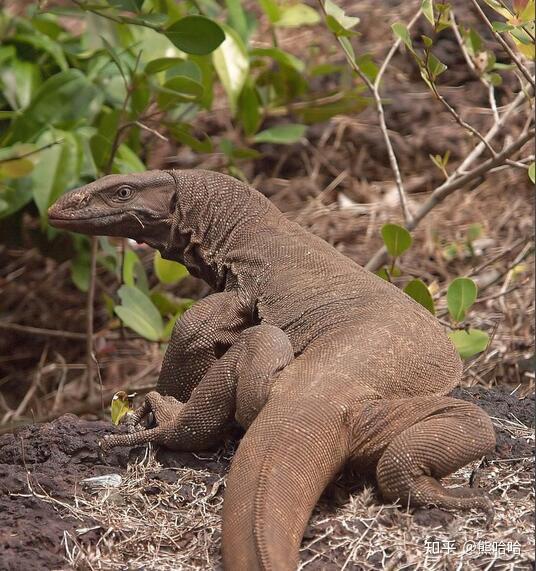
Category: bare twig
[150,130]
[14,415]
[90,357]
[33,152]
[392,51]
[453,183]
[39,331]
[459,120]
[374,89]
[472,67]
[504,44]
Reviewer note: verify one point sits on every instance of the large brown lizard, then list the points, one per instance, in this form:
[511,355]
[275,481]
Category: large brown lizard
[324,363]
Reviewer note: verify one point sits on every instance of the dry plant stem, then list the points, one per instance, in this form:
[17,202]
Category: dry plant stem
[460,121]
[454,182]
[90,357]
[39,331]
[380,256]
[31,391]
[472,67]
[374,89]
[504,44]
[30,153]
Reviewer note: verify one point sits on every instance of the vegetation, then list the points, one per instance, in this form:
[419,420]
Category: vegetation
[86,87]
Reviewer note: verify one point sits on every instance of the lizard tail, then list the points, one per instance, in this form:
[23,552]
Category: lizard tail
[284,462]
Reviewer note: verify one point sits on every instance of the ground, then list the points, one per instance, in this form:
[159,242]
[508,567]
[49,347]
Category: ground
[164,511]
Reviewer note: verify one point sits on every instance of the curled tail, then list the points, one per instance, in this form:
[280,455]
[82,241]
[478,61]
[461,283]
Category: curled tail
[284,462]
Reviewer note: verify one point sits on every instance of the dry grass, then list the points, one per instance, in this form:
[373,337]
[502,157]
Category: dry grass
[170,523]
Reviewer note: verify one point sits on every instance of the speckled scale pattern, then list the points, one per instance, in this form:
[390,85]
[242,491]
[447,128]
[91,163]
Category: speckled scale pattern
[323,362]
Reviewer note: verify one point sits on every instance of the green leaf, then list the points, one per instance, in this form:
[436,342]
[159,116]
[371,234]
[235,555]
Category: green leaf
[401,31]
[367,66]
[427,8]
[46,44]
[16,168]
[428,42]
[129,5]
[101,143]
[475,42]
[63,100]
[14,196]
[139,313]
[231,62]
[349,104]
[119,407]
[271,9]
[161,64]
[501,27]
[19,81]
[296,15]
[168,304]
[127,161]
[140,95]
[396,239]
[474,232]
[435,67]
[248,110]
[195,35]
[532,172]
[168,271]
[181,133]
[338,15]
[281,134]
[469,343]
[178,89]
[57,170]
[418,290]
[134,274]
[80,271]
[461,295]
[237,18]
[280,56]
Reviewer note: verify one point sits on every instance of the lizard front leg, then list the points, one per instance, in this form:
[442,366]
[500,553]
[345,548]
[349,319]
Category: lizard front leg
[249,367]
[198,339]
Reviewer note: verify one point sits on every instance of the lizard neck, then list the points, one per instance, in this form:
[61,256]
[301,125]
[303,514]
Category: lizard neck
[212,213]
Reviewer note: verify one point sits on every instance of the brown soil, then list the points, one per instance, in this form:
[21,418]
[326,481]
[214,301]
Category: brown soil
[41,468]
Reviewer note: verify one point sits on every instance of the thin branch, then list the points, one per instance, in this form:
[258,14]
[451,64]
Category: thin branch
[504,44]
[39,331]
[380,256]
[33,152]
[374,89]
[90,301]
[392,51]
[116,19]
[458,118]
[449,186]
[150,130]
[472,67]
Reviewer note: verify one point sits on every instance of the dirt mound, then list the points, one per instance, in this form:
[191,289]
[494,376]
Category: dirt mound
[41,467]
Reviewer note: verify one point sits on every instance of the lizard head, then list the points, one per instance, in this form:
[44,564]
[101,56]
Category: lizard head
[138,206]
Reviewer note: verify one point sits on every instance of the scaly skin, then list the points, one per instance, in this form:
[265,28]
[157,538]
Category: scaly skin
[322,362]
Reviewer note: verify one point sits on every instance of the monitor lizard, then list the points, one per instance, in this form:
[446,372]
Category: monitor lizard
[322,362]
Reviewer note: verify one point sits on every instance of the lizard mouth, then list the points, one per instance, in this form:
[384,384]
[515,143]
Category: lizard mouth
[80,222]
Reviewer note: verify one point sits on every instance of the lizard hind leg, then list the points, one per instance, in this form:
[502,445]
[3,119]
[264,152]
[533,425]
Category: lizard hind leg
[447,438]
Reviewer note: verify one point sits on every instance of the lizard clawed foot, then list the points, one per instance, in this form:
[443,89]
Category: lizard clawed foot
[166,410]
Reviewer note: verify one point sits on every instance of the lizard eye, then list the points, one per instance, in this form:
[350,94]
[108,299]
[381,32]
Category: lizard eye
[124,192]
